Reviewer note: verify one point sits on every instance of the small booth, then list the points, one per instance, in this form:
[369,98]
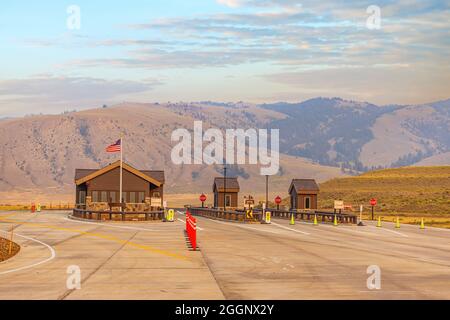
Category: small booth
[303,193]
[98,189]
[226,190]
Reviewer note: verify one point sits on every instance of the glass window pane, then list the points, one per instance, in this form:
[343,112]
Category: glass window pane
[112,196]
[104,196]
[132,197]
[141,198]
[124,197]
[82,197]
[94,196]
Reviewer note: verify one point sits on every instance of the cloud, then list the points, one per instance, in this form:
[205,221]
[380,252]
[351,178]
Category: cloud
[230,3]
[300,34]
[48,93]
[410,85]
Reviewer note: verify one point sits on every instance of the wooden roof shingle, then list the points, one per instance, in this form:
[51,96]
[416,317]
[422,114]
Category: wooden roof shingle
[154,175]
[302,185]
[232,184]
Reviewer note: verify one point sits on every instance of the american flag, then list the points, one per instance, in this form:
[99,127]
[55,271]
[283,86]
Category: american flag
[116,147]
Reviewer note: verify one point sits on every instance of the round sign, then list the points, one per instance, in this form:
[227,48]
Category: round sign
[373,202]
[278,200]
[203,198]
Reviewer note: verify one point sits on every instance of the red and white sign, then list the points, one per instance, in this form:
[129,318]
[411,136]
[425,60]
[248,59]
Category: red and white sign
[203,198]
[278,200]
[373,202]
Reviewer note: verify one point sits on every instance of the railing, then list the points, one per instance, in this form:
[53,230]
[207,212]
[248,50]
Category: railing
[309,215]
[236,215]
[124,216]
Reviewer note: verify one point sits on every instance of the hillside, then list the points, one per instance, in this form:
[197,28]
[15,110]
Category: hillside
[39,154]
[408,190]
[320,138]
[363,136]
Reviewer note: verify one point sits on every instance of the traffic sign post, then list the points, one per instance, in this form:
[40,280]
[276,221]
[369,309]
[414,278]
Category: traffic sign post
[203,199]
[278,201]
[373,203]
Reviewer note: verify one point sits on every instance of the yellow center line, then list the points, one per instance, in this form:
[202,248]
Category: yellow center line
[103,236]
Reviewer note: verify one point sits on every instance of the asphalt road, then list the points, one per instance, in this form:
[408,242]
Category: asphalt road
[150,260]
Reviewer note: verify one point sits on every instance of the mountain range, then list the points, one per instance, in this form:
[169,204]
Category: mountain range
[320,138]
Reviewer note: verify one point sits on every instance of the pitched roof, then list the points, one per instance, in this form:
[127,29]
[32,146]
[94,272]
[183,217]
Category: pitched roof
[155,174]
[83,175]
[304,185]
[232,184]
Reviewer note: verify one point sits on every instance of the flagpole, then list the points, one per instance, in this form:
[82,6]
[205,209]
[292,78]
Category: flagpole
[121,166]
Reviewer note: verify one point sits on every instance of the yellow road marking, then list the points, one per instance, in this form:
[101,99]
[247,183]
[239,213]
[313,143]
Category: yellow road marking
[103,236]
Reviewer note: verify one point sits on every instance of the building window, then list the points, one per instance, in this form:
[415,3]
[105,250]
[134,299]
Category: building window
[141,197]
[228,200]
[156,194]
[132,197]
[307,203]
[112,197]
[104,196]
[124,197]
[94,196]
[82,197]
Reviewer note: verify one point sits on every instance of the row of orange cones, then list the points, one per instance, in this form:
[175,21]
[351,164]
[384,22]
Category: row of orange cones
[379,225]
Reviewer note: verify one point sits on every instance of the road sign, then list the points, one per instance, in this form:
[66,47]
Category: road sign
[373,203]
[339,205]
[203,198]
[278,200]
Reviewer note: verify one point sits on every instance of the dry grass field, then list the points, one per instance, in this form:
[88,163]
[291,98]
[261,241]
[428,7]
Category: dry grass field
[410,193]
[5,252]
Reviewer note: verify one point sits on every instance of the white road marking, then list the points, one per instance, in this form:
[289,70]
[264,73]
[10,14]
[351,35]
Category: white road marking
[243,227]
[349,230]
[52,255]
[290,229]
[111,226]
[184,221]
[396,232]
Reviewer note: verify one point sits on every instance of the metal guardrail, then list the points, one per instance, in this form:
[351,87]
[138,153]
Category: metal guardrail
[309,215]
[98,215]
[235,215]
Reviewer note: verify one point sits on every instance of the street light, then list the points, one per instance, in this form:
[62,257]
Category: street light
[224,187]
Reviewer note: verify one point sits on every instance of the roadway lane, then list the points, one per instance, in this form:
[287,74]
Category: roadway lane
[117,260]
[280,261]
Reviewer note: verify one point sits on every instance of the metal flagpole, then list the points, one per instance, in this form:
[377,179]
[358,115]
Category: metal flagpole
[121,161]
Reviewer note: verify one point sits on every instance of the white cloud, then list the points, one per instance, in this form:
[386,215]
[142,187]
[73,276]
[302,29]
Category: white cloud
[46,93]
[230,3]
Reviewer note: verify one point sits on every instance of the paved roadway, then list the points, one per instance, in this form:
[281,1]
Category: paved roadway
[251,261]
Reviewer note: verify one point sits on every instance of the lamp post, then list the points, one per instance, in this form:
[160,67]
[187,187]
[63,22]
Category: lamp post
[224,187]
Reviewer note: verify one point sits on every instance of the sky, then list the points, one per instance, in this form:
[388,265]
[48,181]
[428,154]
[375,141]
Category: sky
[58,56]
